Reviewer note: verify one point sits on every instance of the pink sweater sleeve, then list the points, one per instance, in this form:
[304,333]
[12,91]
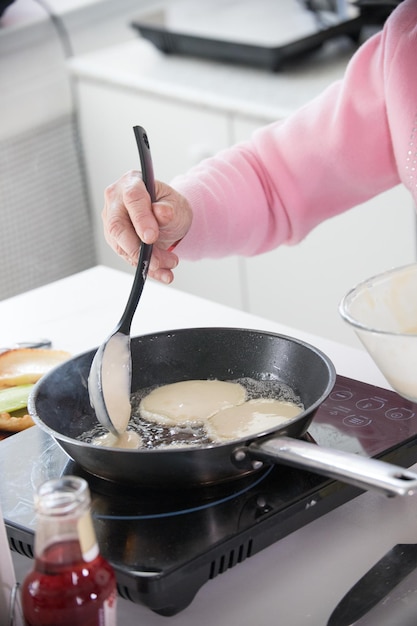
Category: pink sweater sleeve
[329,156]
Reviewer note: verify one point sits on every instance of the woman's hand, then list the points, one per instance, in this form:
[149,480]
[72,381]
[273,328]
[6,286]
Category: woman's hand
[129,218]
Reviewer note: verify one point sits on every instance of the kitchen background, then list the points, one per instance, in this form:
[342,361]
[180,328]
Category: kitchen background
[76,76]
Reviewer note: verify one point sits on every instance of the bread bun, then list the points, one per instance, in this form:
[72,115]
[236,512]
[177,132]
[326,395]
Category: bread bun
[10,423]
[24,366]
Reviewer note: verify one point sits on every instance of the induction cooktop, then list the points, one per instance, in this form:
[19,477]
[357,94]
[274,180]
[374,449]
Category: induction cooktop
[166,544]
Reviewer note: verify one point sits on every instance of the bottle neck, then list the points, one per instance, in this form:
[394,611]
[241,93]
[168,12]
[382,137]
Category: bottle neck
[63,518]
[75,532]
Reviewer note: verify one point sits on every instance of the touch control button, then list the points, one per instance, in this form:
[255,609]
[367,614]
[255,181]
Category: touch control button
[399,414]
[355,420]
[371,404]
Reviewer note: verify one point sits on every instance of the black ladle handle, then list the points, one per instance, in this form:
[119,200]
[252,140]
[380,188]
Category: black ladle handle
[145,248]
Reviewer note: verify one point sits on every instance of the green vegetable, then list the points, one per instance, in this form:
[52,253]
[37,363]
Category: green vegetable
[14,398]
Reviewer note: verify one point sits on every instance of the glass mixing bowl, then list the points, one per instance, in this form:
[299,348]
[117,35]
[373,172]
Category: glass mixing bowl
[383,312]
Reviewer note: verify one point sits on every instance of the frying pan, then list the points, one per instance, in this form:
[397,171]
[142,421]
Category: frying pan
[60,405]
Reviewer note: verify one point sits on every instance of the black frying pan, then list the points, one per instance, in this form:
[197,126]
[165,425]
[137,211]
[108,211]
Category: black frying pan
[60,405]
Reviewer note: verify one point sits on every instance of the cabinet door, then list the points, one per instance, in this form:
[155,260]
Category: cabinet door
[302,285]
[180,135]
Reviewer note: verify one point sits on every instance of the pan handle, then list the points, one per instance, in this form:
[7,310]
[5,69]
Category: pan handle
[363,472]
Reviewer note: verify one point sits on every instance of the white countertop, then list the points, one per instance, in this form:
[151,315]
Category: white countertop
[139,65]
[78,312]
[295,582]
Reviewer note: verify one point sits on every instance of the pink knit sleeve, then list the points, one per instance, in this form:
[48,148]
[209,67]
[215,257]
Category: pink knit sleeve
[329,156]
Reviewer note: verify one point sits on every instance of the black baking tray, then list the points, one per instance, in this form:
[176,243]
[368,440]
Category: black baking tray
[376,11]
[153,27]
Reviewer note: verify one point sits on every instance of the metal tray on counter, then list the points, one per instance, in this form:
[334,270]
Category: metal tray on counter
[171,38]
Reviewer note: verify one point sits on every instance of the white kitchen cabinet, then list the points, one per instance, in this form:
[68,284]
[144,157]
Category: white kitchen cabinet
[192,109]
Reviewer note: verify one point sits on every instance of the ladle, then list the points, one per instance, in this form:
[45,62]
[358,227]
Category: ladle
[109,381]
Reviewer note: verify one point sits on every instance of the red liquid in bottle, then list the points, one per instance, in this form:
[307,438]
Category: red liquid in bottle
[64,590]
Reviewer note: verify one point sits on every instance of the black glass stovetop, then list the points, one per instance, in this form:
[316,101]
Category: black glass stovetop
[164,545]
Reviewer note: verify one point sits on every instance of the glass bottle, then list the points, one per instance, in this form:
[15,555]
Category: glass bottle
[71,583]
